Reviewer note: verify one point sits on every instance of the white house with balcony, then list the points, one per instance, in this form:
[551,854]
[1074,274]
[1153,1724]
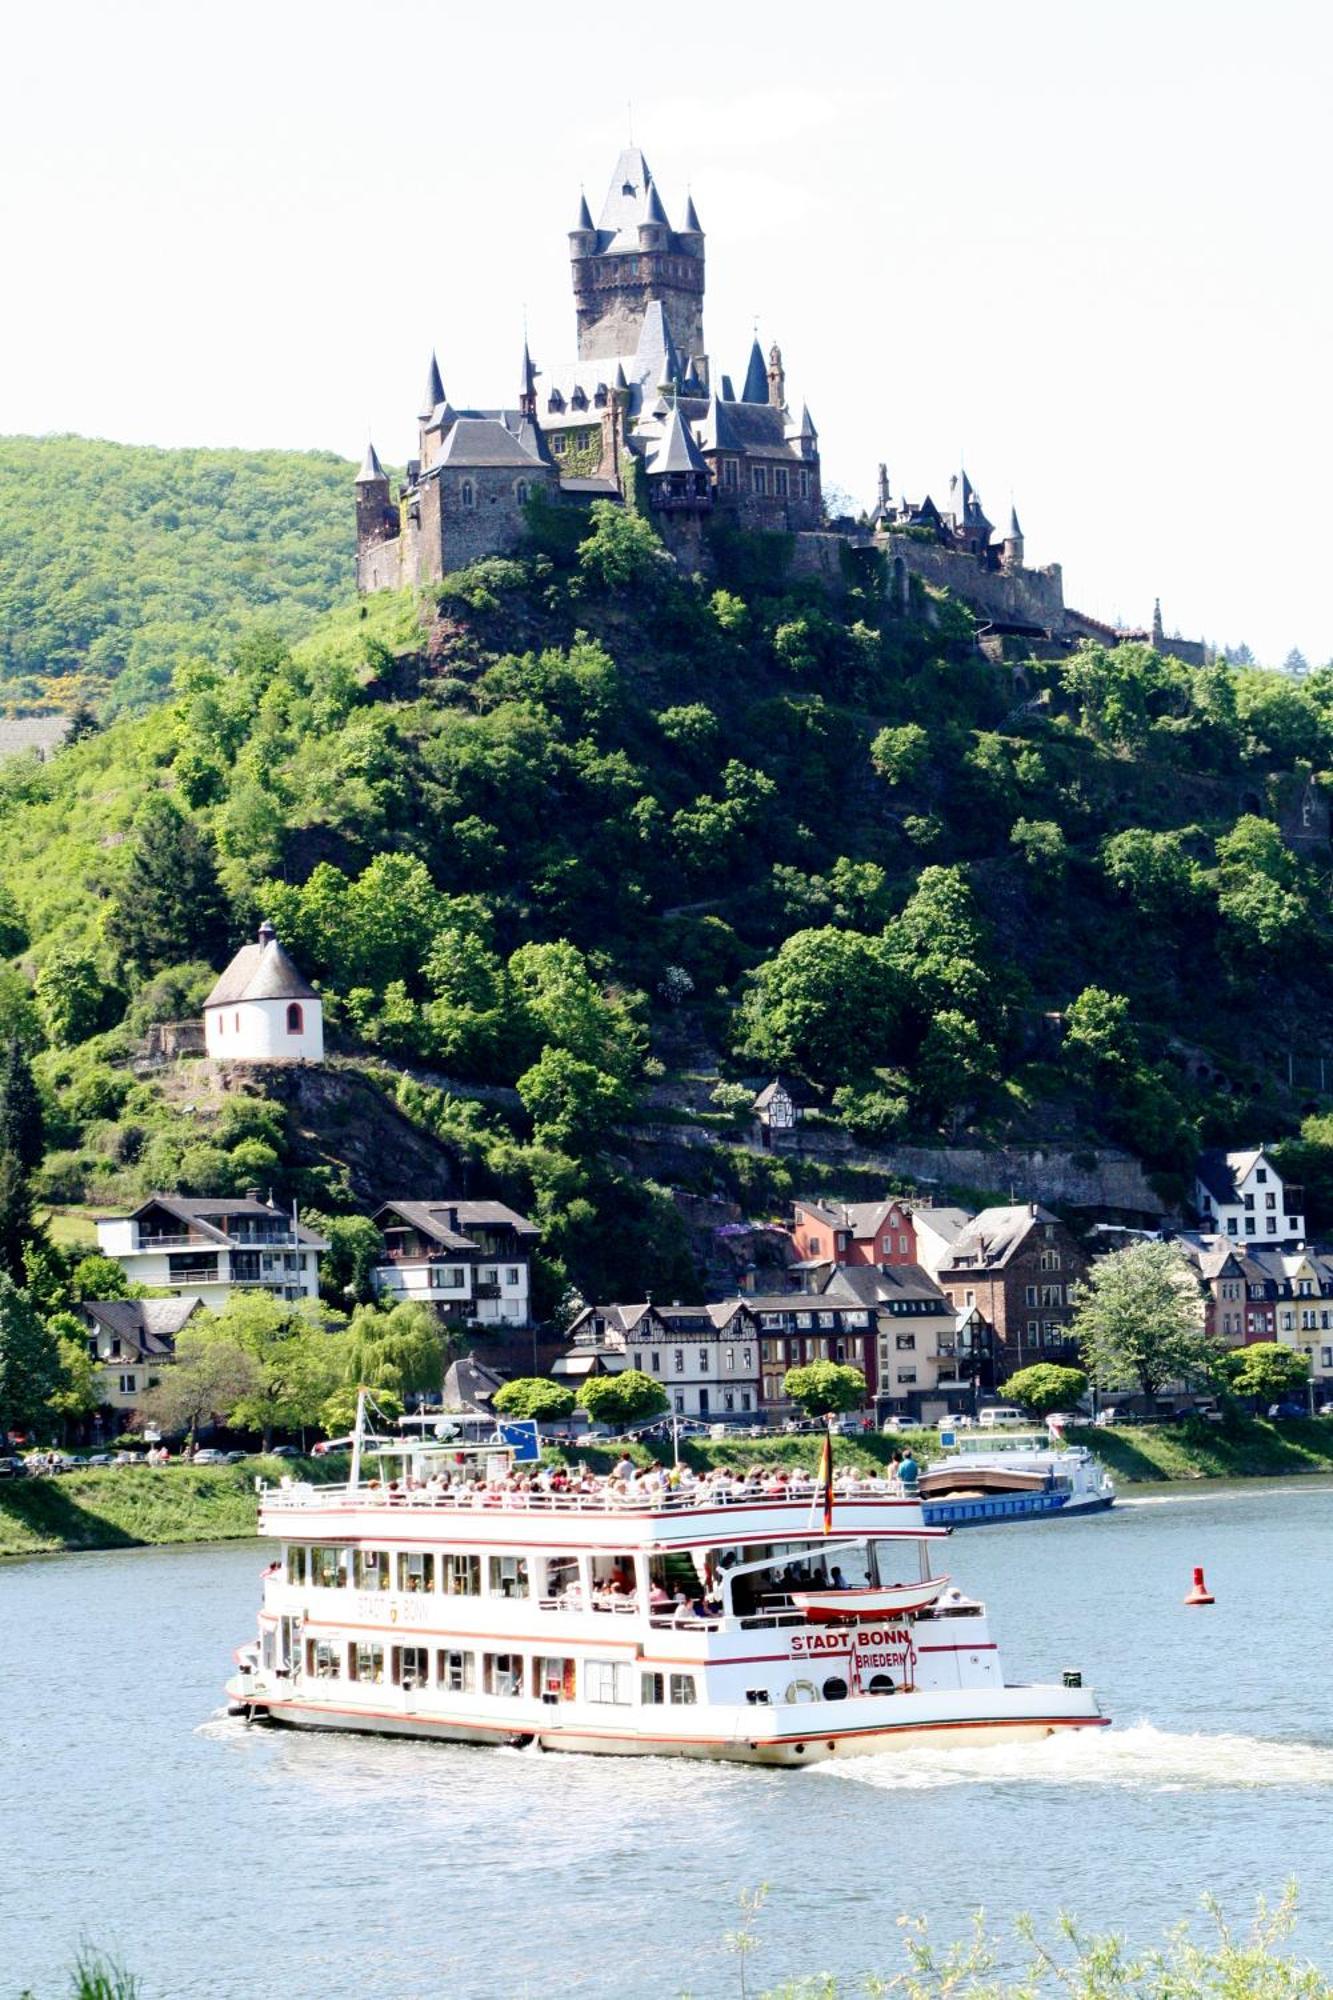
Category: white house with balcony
[1242,1196]
[471,1259]
[705,1357]
[212,1249]
[262,1009]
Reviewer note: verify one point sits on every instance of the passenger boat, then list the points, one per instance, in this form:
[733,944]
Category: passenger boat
[442,1598]
[1012,1475]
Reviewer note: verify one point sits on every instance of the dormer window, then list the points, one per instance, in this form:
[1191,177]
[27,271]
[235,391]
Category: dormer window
[555,401]
[600,395]
[579,399]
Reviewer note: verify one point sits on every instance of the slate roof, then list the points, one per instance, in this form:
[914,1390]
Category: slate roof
[676,450]
[618,223]
[1220,1173]
[261,971]
[481,441]
[447,1222]
[151,1325]
[947,1223]
[743,426]
[371,469]
[872,1284]
[198,1211]
[756,376]
[763,1098]
[994,1236]
[433,394]
[469,1386]
[693,226]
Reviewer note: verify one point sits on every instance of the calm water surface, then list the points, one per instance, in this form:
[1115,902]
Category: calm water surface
[229,1862]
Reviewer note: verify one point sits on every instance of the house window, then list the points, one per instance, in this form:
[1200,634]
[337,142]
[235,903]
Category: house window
[678,1358]
[511,1274]
[780,481]
[1031,1296]
[1326,1357]
[559,444]
[906,1375]
[803,485]
[1270,1200]
[906,1343]
[655,1361]
[703,1358]
[747,1358]
[236,1023]
[638,1361]
[759,478]
[1261,1175]
[127,1384]
[730,472]
[295,1018]
[678,1401]
[731,1361]
[1271,1225]
[1034,1329]
[466,495]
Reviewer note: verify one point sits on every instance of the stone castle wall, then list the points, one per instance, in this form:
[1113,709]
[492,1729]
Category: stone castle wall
[1012,597]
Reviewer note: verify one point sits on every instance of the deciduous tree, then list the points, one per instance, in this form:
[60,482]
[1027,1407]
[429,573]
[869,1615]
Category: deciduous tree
[622,1399]
[534,1396]
[825,1387]
[1045,1387]
[1140,1319]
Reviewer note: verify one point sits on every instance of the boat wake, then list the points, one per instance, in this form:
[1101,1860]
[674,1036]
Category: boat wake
[1140,1757]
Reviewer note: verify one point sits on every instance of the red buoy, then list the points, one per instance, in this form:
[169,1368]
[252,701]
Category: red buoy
[1199,1591]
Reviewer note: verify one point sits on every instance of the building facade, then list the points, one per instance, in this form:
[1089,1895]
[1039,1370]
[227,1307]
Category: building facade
[472,1260]
[1242,1196]
[858,1232]
[1019,1268]
[706,1358]
[914,1357]
[132,1341]
[211,1250]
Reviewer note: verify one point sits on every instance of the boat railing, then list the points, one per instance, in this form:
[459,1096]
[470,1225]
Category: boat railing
[499,1499]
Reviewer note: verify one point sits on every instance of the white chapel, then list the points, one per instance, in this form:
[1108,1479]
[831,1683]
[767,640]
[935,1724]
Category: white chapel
[262,1009]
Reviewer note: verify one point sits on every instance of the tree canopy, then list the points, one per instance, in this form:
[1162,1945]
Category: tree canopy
[822,1388]
[1139,1320]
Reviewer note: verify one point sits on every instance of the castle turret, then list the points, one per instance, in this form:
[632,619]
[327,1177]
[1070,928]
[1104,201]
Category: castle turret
[882,495]
[802,433]
[1158,634]
[376,518]
[756,376]
[527,385]
[777,381]
[632,256]
[433,395]
[1011,549]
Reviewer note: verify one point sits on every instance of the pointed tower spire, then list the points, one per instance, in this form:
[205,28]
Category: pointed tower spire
[653,210]
[1015,532]
[693,226]
[585,214]
[527,384]
[371,470]
[756,376]
[433,395]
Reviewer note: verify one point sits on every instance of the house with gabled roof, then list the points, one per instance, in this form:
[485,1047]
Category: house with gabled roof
[263,1009]
[472,1260]
[913,1359]
[210,1248]
[131,1342]
[1242,1195]
[1019,1266]
[705,1357]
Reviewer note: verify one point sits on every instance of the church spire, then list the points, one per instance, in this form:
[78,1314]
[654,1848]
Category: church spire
[433,395]
[756,376]
[371,470]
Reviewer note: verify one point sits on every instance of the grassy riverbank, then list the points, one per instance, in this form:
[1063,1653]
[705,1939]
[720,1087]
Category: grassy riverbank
[121,1507]
[116,1507]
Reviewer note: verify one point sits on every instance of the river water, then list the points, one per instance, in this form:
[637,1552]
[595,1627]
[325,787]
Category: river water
[220,1861]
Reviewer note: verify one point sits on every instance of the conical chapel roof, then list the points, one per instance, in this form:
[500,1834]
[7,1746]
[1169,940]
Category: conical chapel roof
[261,971]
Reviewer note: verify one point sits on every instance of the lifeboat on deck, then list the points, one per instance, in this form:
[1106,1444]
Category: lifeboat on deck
[879,1600]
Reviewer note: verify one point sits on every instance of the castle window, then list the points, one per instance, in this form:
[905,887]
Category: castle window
[521,491]
[803,485]
[559,444]
[295,1019]
[780,481]
[555,401]
[730,472]
[759,478]
[466,495]
[599,396]
[579,399]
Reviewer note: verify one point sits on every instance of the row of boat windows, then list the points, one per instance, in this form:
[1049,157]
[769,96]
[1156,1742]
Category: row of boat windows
[456,1671]
[453,1574]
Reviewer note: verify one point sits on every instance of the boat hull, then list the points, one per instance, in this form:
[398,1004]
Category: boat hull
[980,1508]
[784,1734]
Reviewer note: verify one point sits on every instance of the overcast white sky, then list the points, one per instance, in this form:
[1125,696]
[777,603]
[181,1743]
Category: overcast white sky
[1084,244]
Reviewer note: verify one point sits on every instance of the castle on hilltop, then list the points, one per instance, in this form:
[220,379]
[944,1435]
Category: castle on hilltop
[641,417]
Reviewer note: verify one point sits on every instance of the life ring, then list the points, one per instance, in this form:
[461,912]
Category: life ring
[802,1691]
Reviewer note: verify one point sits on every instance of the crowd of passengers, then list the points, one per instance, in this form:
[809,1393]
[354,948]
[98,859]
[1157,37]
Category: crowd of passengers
[631,1485]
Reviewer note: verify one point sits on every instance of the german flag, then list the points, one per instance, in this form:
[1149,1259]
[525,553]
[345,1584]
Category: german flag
[826,1478]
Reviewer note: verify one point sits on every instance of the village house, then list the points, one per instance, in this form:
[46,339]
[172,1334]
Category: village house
[1300,1288]
[776,1112]
[936,1231]
[914,1356]
[857,1232]
[797,1329]
[706,1358]
[472,1260]
[1019,1267]
[1222,1273]
[1243,1196]
[132,1341]
[262,1010]
[212,1249]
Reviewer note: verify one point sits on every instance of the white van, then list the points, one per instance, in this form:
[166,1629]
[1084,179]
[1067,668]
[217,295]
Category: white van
[1002,1413]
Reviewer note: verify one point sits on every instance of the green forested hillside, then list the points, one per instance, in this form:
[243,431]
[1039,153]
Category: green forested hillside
[578,826]
[116,559]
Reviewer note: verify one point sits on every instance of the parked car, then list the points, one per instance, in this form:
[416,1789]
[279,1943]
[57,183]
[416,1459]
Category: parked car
[284,1451]
[1287,1408]
[12,1468]
[235,1457]
[999,1415]
[208,1456]
[129,1458]
[1324,1410]
[99,1458]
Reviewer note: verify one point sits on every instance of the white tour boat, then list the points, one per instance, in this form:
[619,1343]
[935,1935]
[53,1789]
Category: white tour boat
[732,1618]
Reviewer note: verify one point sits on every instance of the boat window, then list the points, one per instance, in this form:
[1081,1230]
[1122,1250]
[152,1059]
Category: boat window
[296,1564]
[682,1689]
[410,1666]
[509,1576]
[502,1673]
[562,1590]
[835,1689]
[454,1671]
[365,1662]
[555,1679]
[880,1684]
[609,1681]
[416,1570]
[652,1689]
[328,1568]
[613,1582]
[266,1649]
[322,1660]
[460,1576]
[370,1569]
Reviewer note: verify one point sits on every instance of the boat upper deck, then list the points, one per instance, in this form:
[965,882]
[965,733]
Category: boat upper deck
[624,1513]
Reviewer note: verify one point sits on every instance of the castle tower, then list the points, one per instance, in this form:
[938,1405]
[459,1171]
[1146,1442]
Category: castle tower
[777,381]
[1158,635]
[631,256]
[1011,549]
[527,386]
[376,515]
[433,394]
[756,376]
